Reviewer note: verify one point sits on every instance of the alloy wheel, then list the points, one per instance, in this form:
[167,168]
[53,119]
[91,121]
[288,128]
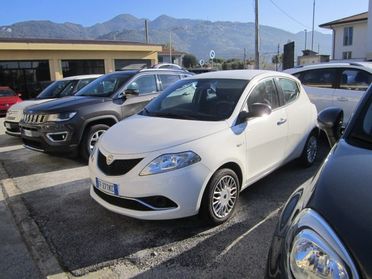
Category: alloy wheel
[224,196]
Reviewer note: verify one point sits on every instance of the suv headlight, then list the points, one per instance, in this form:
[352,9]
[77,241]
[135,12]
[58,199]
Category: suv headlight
[168,162]
[59,116]
[316,251]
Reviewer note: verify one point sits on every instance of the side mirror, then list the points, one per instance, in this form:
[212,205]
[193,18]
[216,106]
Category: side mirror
[330,121]
[131,91]
[256,110]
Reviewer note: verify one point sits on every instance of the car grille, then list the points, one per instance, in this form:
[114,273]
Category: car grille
[117,167]
[34,118]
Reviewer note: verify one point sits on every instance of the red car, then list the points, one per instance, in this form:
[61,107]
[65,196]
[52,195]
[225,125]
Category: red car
[7,98]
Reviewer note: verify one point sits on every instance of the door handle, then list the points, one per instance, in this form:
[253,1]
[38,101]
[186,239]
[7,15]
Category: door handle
[342,99]
[281,121]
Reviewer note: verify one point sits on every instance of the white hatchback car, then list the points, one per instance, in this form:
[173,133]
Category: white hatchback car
[335,84]
[201,142]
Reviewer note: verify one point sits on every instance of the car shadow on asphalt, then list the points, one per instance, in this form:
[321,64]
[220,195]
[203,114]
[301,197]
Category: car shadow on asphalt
[8,141]
[85,237]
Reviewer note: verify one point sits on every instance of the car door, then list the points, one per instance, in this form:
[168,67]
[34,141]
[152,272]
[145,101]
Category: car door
[139,92]
[319,85]
[265,136]
[351,87]
[289,89]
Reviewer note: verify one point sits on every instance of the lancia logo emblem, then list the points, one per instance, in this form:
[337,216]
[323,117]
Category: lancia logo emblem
[109,159]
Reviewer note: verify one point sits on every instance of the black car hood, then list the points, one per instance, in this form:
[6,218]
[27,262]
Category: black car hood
[67,104]
[343,196]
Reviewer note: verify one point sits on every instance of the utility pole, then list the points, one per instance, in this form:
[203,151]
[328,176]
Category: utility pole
[257,37]
[245,58]
[147,31]
[305,39]
[277,59]
[170,47]
[312,36]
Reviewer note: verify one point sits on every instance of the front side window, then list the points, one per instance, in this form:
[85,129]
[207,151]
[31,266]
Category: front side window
[143,85]
[105,86]
[290,89]
[265,93]
[353,79]
[361,133]
[323,78]
[199,99]
[348,36]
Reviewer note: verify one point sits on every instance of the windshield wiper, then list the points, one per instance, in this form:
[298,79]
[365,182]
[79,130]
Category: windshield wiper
[171,115]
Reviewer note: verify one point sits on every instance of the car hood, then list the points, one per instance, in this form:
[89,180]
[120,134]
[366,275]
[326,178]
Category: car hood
[66,104]
[22,105]
[8,100]
[343,196]
[142,134]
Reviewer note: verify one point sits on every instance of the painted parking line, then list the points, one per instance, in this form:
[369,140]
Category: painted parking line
[10,148]
[236,241]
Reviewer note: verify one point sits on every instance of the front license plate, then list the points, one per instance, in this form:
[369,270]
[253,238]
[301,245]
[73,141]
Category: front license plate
[7,125]
[107,187]
[28,133]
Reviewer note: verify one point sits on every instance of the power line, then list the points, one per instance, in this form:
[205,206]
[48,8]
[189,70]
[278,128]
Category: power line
[288,15]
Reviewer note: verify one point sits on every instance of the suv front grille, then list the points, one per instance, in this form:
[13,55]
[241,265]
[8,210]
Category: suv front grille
[34,118]
[117,167]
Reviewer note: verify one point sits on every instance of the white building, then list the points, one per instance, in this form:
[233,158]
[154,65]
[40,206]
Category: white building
[350,36]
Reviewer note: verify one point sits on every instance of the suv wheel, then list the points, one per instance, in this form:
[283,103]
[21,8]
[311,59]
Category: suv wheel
[90,138]
[220,197]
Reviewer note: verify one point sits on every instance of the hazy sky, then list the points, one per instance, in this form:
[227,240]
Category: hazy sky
[291,15]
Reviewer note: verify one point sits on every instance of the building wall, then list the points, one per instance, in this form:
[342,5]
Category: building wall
[369,39]
[358,47]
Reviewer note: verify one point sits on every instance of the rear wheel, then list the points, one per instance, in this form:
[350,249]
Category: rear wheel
[220,197]
[310,150]
[90,138]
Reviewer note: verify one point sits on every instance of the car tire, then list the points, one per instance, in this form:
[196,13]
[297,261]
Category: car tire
[310,150]
[220,197]
[91,135]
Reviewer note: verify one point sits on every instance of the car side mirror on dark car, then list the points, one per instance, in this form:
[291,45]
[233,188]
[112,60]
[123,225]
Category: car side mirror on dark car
[131,92]
[330,121]
[255,110]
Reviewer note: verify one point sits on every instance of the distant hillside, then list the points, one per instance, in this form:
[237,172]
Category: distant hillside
[228,39]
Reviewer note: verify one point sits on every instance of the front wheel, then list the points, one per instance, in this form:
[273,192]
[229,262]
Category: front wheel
[310,150]
[90,138]
[220,197]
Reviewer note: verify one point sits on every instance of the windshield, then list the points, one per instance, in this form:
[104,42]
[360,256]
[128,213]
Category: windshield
[59,88]
[7,92]
[199,99]
[361,133]
[105,86]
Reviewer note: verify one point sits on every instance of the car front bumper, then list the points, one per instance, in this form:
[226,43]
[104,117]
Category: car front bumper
[50,138]
[182,188]
[12,128]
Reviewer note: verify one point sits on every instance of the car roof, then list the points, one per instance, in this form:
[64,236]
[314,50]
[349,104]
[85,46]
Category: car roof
[360,65]
[79,77]
[238,74]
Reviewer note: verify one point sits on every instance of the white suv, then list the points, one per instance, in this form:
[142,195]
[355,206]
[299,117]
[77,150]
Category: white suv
[335,84]
[60,88]
[202,141]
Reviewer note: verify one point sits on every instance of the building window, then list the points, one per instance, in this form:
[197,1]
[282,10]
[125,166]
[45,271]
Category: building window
[348,36]
[26,77]
[346,55]
[82,67]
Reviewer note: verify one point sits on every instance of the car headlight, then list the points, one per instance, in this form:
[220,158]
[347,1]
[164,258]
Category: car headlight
[168,162]
[316,251]
[60,116]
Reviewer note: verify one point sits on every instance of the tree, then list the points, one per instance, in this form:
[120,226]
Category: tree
[189,61]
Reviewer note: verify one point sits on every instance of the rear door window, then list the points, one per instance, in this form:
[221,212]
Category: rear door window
[290,90]
[322,78]
[354,79]
[144,84]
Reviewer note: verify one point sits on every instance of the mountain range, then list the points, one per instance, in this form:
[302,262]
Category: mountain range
[198,37]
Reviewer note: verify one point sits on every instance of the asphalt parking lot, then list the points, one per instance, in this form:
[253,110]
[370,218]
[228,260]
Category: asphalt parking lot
[60,231]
